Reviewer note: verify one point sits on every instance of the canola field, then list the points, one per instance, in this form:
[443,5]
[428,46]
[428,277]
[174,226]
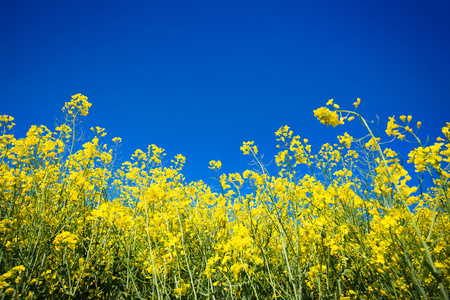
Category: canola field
[341,223]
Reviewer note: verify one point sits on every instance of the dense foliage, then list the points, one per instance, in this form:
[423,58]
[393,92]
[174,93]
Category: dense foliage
[342,223]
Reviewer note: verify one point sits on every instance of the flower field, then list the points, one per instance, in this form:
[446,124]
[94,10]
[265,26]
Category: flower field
[340,223]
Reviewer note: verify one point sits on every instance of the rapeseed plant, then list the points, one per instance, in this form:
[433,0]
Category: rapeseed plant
[339,223]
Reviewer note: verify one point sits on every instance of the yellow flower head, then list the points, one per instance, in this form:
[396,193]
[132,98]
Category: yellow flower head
[391,125]
[215,164]
[5,119]
[247,147]
[327,117]
[182,289]
[345,139]
[284,131]
[78,105]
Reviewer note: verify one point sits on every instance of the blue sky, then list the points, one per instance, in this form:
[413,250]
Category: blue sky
[200,77]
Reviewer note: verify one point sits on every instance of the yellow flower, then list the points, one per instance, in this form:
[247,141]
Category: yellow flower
[9,245]
[182,290]
[247,173]
[215,164]
[327,117]
[247,147]
[78,104]
[358,101]
[391,125]
[4,119]
[283,131]
[65,238]
[20,268]
[346,139]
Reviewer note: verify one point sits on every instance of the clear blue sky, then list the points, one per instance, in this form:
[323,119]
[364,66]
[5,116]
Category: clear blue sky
[200,77]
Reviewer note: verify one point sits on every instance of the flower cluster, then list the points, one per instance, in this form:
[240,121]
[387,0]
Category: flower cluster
[65,238]
[248,148]
[78,105]
[215,164]
[328,117]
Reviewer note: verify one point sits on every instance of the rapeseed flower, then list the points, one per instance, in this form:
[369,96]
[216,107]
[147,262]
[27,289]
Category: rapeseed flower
[322,224]
[328,117]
